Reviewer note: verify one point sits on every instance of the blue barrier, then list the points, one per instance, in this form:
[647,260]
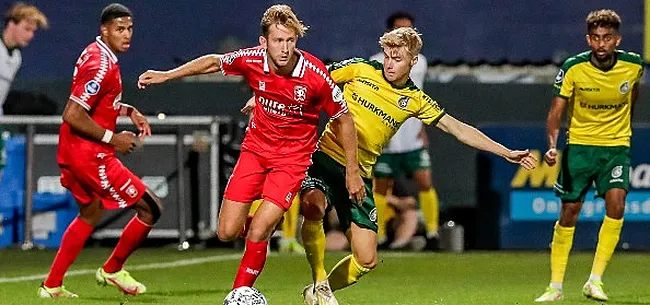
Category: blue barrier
[528,207]
[52,212]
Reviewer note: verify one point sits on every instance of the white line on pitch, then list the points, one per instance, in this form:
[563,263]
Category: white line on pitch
[174,264]
[181,263]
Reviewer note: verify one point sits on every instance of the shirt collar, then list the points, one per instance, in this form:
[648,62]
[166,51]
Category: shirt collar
[106,49]
[10,51]
[298,71]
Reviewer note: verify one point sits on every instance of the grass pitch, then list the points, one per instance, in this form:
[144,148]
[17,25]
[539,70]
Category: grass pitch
[205,277]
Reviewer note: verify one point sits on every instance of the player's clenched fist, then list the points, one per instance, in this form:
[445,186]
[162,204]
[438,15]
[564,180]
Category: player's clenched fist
[151,77]
[124,142]
[551,156]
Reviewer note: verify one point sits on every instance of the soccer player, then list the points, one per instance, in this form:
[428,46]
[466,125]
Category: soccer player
[380,98]
[599,87]
[20,24]
[292,86]
[89,167]
[407,152]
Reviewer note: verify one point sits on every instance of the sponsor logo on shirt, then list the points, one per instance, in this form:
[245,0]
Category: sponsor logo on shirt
[603,106]
[586,89]
[262,86]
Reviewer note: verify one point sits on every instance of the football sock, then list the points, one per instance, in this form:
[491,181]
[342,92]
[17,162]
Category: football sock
[560,248]
[72,243]
[429,207]
[251,264]
[610,232]
[382,207]
[291,220]
[346,272]
[132,236]
[313,239]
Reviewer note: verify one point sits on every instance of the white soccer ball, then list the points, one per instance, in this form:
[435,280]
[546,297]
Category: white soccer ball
[245,296]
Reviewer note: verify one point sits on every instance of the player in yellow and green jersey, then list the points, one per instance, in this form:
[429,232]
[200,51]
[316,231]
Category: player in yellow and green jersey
[380,97]
[598,88]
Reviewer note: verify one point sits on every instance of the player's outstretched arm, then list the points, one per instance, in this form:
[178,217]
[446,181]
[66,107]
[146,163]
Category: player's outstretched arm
[553,121]
[79,120]
[473,137]
[203,65]
[347,132]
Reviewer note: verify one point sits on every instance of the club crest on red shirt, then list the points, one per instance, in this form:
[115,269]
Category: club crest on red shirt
[300,93]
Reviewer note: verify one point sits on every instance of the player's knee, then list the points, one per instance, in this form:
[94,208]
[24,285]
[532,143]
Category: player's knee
[227,233]
[259,234]
[313,204]
[154,205]
[569,215]
[91,213]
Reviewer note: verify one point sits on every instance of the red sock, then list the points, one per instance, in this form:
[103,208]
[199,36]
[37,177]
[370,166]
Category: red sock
[251,264]
[73,241]
[132,236]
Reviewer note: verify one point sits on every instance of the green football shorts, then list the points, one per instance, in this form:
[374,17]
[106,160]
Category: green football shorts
[328,176]
[584,165]
[393,165]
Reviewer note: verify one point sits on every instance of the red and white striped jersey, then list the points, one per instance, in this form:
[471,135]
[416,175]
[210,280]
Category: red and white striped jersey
[97,87]
[285,120]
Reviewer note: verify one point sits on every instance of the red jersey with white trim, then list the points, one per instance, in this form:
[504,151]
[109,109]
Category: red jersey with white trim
[97,87]
[285,120]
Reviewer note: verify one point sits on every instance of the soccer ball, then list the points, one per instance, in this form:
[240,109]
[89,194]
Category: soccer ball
[245,296]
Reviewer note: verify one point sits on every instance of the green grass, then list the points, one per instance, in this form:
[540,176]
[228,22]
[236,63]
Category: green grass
[439,278]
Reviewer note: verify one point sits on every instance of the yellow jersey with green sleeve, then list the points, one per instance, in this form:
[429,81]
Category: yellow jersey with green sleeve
[378,109]
[599,102]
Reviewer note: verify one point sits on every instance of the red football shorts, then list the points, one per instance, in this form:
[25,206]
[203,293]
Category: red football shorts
[256,177]
[107,179]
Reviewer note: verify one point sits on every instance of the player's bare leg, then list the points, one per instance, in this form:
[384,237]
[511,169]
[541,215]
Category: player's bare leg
[312,205]
[232,219]
[72,243]
[608,238]
[264,222]
[149,210]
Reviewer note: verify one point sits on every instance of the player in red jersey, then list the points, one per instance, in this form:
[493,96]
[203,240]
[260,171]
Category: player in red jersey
[292,86]
[89,167]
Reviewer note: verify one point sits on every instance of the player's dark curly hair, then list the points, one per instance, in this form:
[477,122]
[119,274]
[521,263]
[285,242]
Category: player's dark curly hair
[603,18]
[115,10]
[390,21]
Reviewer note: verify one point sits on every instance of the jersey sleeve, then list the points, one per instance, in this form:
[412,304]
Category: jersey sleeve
[430,111]
[563,85]
[332,98]
[347,70]
[233,63]
[88,81]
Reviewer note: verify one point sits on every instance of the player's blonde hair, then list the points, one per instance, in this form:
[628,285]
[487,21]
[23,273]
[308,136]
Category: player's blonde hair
[603,18]
[402,37]
[20,11]
[281,14]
